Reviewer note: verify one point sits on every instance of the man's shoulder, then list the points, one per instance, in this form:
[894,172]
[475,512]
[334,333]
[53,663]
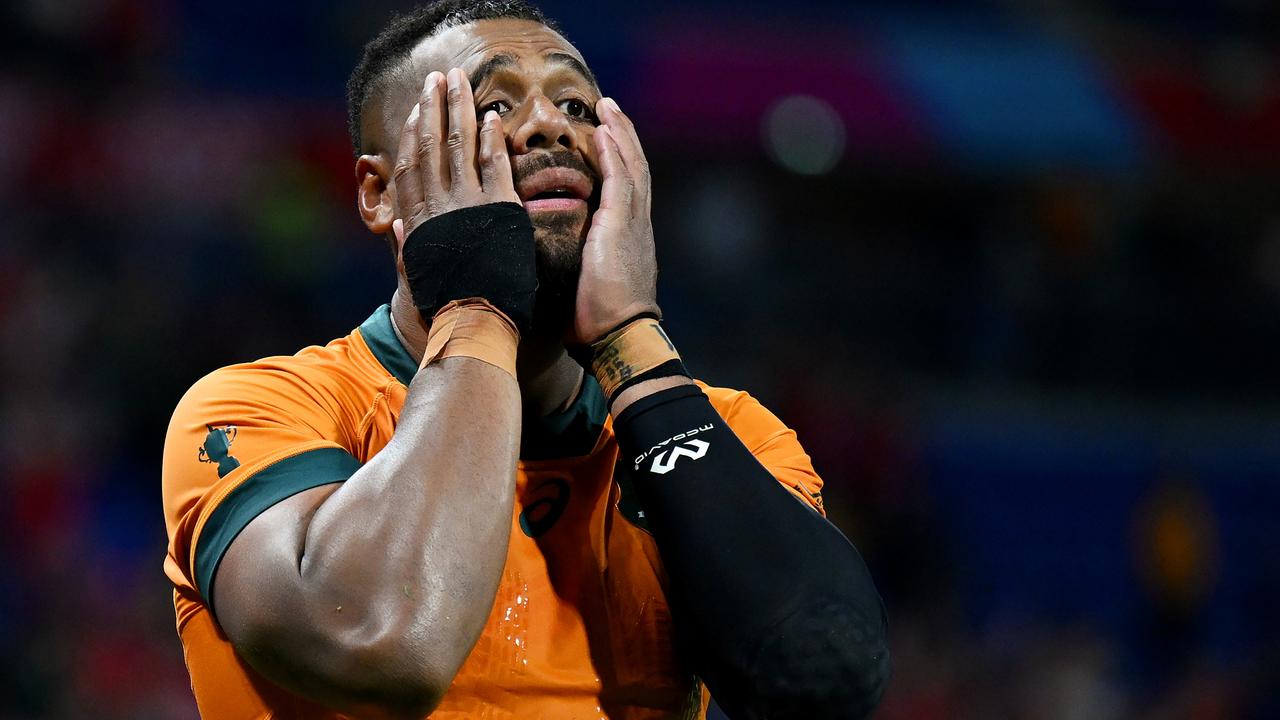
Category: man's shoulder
[770,440]
[750,419]
[726,400]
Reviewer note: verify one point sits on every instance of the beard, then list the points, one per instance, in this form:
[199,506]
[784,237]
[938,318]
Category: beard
[558,238]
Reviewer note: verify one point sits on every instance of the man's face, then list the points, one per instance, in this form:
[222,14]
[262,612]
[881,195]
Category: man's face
[541,87]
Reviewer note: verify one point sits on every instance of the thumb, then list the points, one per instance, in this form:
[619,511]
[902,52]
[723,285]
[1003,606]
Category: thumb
[397,227]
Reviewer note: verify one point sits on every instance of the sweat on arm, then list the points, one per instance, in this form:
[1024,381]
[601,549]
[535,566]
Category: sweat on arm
[773,605]
[353,574]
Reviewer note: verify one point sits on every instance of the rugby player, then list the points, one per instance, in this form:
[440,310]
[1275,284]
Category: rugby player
[503,496]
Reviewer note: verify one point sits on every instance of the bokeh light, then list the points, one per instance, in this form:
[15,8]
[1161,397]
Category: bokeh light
[804,134]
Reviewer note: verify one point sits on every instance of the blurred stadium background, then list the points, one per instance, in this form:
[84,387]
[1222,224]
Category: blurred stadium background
[1011,268]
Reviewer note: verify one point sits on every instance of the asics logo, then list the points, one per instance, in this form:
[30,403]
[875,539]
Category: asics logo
[540,515]
[664,461]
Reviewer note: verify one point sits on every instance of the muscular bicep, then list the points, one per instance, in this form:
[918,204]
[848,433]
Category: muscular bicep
[310,637]
[257,587]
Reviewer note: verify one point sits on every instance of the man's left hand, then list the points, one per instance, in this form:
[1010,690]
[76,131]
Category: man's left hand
[619,270]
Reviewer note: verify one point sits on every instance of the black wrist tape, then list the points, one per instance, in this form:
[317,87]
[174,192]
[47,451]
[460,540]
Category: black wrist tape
[486,251]
[649,402]
[670,368]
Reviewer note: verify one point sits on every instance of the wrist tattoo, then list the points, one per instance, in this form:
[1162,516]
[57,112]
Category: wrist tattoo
[637,351]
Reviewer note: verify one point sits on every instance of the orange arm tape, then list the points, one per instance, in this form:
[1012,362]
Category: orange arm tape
[636,348]
[472,328]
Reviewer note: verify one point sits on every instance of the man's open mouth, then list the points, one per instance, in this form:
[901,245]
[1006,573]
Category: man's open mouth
[554,189]
[555,193]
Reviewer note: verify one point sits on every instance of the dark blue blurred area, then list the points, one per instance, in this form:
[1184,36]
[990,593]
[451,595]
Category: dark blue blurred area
[1012,271]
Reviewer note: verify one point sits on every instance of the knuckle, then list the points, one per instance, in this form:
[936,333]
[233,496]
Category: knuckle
[454,94]
[456,140]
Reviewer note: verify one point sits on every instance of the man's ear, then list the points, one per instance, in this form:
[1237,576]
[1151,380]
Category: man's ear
[374,196]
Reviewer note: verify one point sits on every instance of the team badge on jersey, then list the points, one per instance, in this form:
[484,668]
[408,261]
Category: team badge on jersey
[217,449]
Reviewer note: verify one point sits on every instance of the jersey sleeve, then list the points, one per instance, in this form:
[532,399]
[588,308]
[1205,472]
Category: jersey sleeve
[772,443]
[241,440]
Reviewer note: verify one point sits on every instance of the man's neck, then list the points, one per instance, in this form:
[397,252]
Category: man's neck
[549,378]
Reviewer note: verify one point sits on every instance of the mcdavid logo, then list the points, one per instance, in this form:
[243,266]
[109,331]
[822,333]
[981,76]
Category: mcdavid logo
[664,461]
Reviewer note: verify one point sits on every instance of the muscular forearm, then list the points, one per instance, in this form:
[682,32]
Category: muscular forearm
[378,596]
[368,597]
[410,550]
[776,608]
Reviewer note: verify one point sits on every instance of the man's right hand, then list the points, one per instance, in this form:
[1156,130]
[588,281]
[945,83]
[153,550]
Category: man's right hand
[441,164]
[413,543]
[462,233]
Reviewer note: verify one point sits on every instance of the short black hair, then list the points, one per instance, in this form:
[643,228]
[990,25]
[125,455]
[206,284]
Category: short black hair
[392,46]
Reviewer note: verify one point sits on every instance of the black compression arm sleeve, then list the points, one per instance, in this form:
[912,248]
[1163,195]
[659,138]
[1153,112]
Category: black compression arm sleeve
[773,605]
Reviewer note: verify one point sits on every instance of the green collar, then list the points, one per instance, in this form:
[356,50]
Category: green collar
[381,338]
[569,433]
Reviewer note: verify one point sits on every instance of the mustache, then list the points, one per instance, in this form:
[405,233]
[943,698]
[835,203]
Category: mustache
[526,165]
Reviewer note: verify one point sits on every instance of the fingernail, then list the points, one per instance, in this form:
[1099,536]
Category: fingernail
[613,104]
[417,108]
[433,79]
[455,78]
[490,117]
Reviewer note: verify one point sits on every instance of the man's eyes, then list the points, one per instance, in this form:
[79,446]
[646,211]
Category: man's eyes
[577,109]
[497,106]
[573,108]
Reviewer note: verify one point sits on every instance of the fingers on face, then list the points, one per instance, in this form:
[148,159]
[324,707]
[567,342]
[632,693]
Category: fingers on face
[624,132]
[624,136]
[431,161]
[405,175]
[619,187]
[495,168]
[461,139]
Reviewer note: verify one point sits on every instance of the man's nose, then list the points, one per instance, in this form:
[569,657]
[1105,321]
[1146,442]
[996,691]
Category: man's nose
[544,127]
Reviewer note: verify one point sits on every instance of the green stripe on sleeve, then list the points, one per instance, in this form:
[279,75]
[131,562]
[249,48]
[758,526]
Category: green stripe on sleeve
[263,489]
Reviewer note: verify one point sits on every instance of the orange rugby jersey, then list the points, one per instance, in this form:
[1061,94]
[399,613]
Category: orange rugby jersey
[580,626]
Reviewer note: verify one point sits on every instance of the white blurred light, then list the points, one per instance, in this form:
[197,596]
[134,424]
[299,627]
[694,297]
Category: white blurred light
[804,135]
